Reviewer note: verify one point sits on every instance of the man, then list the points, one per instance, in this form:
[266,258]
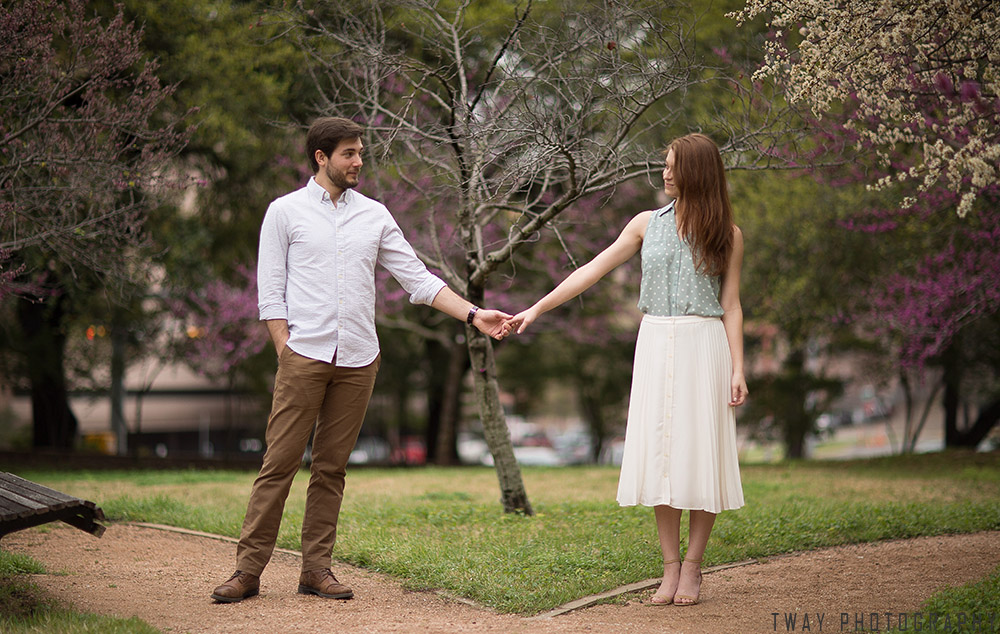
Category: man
[316,288]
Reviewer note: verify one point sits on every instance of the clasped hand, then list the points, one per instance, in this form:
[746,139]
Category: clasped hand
[494,323]
[520,322]
[498,324]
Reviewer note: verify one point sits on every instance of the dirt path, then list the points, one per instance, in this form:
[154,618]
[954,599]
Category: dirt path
[165,578]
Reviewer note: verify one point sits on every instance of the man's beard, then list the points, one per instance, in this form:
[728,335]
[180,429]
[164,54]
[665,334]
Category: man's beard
[339,178]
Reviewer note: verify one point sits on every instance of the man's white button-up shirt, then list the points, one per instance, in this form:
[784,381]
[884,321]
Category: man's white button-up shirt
[316,269]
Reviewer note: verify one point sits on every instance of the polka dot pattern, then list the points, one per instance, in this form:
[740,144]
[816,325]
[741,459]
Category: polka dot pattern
[670,284]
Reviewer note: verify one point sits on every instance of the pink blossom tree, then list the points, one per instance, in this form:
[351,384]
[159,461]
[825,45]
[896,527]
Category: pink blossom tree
[918,75]
[593,356]
[217,326]
[938,306]
[937,291]
[910,93]
[82,148]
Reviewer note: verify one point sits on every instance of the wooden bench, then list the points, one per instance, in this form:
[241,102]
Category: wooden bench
[24,504]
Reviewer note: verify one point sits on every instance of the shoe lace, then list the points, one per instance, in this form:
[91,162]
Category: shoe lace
[324,576]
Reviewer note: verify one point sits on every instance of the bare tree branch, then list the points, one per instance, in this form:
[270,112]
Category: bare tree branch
[506,123]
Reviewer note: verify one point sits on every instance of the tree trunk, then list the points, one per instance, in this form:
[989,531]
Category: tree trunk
[905,446]
[914,428]
[54,424]
[591,407]
[795,442]
[119,339]
[512,493]
[436,358]
[952,380]
[446,448]
[988,417]
[444,408]
[796,419]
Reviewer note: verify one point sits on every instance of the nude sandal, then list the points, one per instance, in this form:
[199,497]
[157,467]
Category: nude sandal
[690,600]
[668,600]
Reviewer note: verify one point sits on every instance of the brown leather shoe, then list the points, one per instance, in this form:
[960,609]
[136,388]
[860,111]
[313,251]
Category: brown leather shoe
[240,586]
[323,583]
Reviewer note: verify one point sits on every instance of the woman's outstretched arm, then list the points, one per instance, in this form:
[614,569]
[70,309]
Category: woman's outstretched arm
[627,245]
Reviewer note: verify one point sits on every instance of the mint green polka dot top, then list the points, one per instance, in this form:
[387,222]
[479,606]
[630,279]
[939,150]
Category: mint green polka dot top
[670,285]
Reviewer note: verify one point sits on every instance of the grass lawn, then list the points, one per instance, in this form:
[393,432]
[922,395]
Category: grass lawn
[444,528]
[973,608]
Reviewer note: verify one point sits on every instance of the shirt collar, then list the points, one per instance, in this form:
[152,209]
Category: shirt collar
[317,192]
[665,210]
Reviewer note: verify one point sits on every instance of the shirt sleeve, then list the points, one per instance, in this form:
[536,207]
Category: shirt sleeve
[398,257]
[272,271]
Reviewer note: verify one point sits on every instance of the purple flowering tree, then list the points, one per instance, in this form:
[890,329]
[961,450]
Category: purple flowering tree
[916,75]
[909,91]
[82,148]
[217,326]
[939,307]
[936,302]
[593,355]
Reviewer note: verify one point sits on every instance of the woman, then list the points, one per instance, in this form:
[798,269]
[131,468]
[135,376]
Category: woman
[680,441]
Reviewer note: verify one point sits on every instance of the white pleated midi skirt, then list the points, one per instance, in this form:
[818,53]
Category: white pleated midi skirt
[680,439]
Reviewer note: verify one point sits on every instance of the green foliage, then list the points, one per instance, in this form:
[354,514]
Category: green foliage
[802,268]
[440,528]
[803,274]
[243,88]
[247,87]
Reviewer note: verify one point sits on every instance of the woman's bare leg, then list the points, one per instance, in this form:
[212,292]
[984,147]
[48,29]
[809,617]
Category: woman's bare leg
[668,527]
[689,584]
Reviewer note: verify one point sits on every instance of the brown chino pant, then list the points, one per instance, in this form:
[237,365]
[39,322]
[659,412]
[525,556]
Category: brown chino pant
[308,394]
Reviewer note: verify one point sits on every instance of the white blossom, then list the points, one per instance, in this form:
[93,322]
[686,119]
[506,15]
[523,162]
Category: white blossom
[895,58]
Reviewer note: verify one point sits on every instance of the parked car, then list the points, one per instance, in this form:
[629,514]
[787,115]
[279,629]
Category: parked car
[472,449]
[828,421]
[574,447]
[537,456]
[531,457]
[411,451]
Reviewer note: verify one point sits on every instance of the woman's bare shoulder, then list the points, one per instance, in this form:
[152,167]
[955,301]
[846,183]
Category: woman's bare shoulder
[639,222]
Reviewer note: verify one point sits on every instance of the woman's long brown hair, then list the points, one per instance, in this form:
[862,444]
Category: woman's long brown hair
[704,213]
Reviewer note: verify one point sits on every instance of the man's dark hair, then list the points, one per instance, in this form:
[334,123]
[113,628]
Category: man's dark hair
[326,133]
